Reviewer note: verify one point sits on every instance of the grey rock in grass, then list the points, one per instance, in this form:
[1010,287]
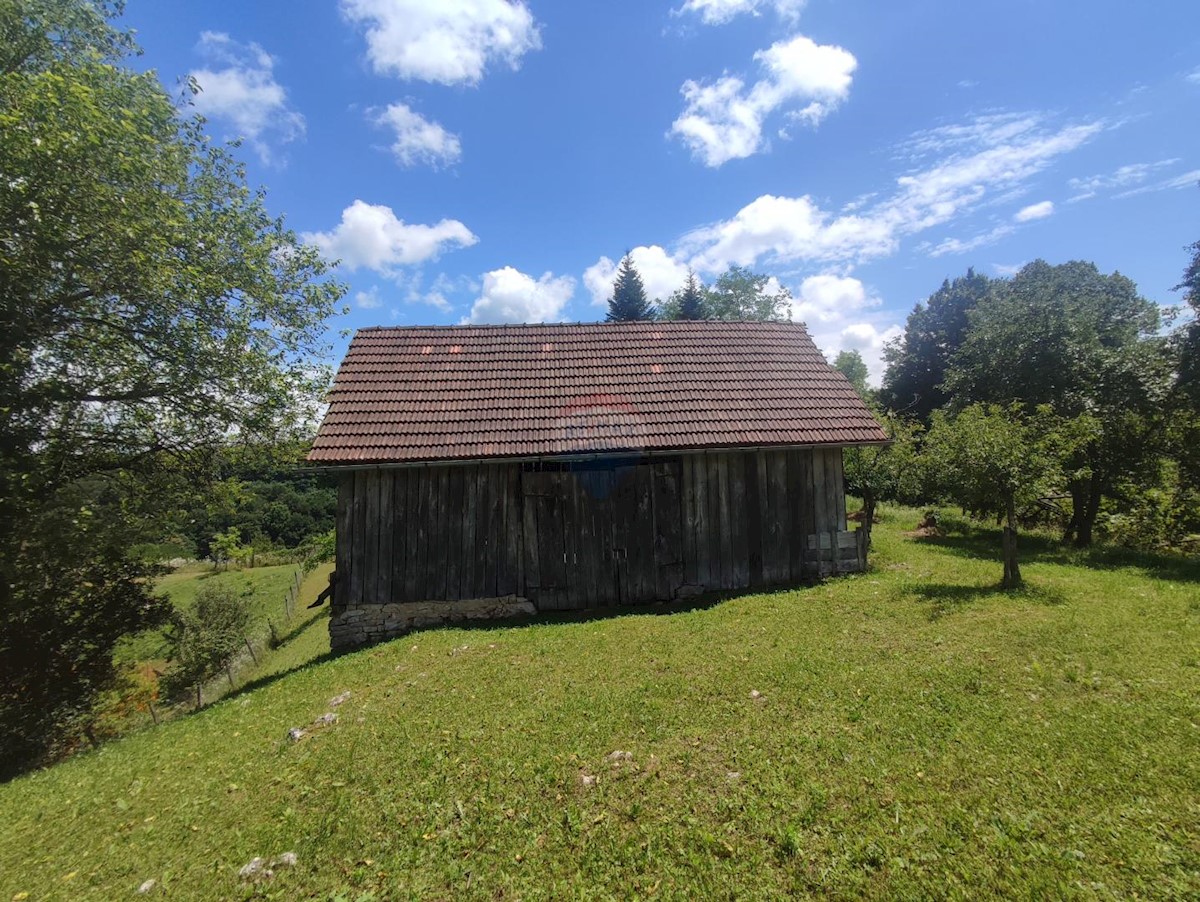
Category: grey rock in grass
[339,699]
[295,734]
[255,869]
[147,886]
[587,779]
[326,719]
[286,860]
[755,694]
[618,756]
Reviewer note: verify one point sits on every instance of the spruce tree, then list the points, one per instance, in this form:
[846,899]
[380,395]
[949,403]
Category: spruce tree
[691,299]
[628,302]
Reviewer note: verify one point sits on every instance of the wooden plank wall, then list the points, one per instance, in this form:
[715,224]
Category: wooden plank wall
[572,539]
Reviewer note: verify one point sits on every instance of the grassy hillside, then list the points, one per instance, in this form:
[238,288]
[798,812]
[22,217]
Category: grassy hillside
[909,732]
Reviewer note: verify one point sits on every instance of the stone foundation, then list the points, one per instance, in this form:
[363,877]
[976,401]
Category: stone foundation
[367,623]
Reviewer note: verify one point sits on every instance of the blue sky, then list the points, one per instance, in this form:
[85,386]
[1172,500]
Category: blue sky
[490,160]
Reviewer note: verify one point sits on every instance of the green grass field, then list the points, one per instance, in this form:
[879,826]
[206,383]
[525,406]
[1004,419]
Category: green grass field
[264,587]
[906,733]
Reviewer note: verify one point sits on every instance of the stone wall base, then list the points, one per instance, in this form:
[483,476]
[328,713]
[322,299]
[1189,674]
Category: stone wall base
[363,624]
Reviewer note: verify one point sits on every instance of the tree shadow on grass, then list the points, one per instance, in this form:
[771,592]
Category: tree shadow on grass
[947,598]
[981,542]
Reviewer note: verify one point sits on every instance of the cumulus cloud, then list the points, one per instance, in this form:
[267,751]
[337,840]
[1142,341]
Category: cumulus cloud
[238,87]
[1035,211]
[449,42]
[417,140]
[724,120]
[718,12]
[373,237]
[661,274]
[975,167]
[368,300]
[511,296]
[830,298]
[866,338]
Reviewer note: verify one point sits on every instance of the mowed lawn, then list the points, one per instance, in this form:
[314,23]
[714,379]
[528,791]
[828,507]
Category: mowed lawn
[907,733]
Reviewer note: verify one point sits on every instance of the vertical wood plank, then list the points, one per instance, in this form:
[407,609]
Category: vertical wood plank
[399,532]
[668,529]
[776,565]
[738,522]
[687,476]
[533,574]
[724,518]
[469,549]
[837,487]
[510,580]
[383,580]
[370,543]
[712,486]
[452,532]
[344,537]
[755,467]
[797,498]
[704,575]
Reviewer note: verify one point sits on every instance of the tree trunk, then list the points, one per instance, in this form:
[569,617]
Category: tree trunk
[1012,570]
[869,503]
[1087,519]
[199,697]
[1076,491]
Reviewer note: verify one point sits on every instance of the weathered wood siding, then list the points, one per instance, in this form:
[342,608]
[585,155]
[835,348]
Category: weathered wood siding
[593,535]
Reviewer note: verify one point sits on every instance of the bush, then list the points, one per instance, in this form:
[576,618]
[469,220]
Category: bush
[206,639]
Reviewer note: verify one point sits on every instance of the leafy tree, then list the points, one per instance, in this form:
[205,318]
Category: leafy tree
[739,294]
[206,639]
[628,302]
[150,308]
[226,546]
[1087,345]
[1189,335]
[918,360]
[888,472]
[851,365]
[686,302]
[993,460]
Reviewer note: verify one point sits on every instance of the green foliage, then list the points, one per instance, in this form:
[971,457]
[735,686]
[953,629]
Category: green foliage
[70,593]
[994,460]
[1188,335]
[889,472]
[1084,344]
[739,294]
[150,308]
[628,302]
[226,546]
[918,361]
[851,365]
[318,550]
[687,302]
[207,637]
[919,735]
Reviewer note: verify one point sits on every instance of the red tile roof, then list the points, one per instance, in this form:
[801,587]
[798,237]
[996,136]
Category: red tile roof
[472,392]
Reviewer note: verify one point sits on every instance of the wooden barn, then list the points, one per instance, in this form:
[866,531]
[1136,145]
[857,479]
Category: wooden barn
[487,471]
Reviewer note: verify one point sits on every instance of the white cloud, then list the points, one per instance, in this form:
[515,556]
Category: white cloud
[417,139]
[661,274]
[445,41]
[1124,177]
[830,298]
[724,120]
[511,296]
[1194,76]
[790,229]
[954,245]
[866,338]
[1186,180]
[368,300]
[239,88]
[1035,211]
[718,12]
[371,236]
